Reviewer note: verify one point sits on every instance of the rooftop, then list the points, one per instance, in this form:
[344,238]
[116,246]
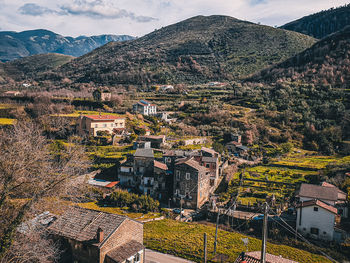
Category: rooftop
[160,165]
[208,150]
[81,224]
[144,153]
[318,192]
[125,251]
[103,117]
[102,183]
[192,163]
[255,256]
[319,203]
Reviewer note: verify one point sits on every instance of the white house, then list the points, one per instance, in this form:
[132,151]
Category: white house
[144,107]
[316,219]
[327,193]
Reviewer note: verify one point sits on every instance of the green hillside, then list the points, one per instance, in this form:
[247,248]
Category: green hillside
[196,50]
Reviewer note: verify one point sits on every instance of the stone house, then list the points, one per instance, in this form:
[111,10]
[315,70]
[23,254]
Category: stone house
[143,165]
[145,108]
[156,140]
[104,95]
[141,145]
[154,184]
[90,125]
[191,183]
[126,173]
[94,236]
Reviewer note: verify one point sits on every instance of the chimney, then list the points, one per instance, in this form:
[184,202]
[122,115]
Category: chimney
[99,235]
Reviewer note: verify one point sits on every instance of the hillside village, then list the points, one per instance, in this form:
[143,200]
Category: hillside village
[179,159]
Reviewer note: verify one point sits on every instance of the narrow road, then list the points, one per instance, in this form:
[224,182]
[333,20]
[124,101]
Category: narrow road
[156,257]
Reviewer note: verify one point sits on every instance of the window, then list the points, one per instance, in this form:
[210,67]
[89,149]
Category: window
[105,125]
[112,124]
[324,232]
[137,258]
[168,159]
[177,192]
[207,165]
[96,125]
[315,208]
[188,176]
[177,175]
[314,230]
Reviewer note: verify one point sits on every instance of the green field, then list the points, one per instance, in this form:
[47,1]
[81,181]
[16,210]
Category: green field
[120,211]
[186,240]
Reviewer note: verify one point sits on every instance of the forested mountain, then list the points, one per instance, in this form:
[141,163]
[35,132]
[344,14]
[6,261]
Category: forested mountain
[196,50]
[28,67]
[326,62]
[15,45]
[322,24]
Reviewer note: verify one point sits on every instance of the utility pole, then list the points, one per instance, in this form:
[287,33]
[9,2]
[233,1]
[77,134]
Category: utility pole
[264,236]
[216,231]
[205,247]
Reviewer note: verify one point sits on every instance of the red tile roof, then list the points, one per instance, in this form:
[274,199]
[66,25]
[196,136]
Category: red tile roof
[103,117]
[160,165]
[319,203]
[112,184]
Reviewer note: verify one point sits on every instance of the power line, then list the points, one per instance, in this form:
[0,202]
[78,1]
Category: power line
[293,231]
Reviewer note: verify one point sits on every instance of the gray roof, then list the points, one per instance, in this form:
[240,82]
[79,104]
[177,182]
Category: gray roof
[242,147]
[123,252]
[192,163]
[144,153]
[318,192]
[209,159]
[81,224]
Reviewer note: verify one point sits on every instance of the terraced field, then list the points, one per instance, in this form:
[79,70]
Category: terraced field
[186,240]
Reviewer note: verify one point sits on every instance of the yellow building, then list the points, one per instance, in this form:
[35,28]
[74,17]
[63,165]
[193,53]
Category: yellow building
[91,124]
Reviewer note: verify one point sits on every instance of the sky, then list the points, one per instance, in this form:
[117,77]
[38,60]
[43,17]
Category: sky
[139,17]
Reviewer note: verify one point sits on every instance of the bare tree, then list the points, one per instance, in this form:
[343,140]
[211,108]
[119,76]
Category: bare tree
[30,171]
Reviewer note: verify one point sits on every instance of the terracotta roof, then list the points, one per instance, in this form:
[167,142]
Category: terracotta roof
[254,257]
[192,163]
[144,153]
[123,252]
[160,165]
[319,203]
[81,224]
[318,192]
[103,117]
[112,184]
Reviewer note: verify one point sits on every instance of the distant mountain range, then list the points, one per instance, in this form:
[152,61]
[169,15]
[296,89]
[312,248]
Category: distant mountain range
[196,50]
[15,45]
[322,24]
[326,62]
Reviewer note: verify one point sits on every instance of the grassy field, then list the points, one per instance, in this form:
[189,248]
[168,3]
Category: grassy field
[120,211]
[186,240]
[6,121]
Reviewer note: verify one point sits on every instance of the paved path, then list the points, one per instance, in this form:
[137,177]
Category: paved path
[156,257]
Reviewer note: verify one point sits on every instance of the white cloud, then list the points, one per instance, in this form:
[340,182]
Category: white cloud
[138,17]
